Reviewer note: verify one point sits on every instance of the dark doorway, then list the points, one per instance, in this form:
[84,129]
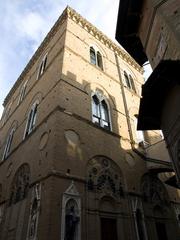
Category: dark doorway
[161,231]
[108,229]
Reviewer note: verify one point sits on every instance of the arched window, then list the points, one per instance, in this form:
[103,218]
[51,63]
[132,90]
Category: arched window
[20,184]
[100,112]
[22,92]
[96,109]
[8,144]
[42,66]
[132,83]
[31,120]
[129,81]
[92,55]
[99,60]
[6,113]
[96,58]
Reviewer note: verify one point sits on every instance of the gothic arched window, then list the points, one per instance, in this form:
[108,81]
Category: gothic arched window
[99,60]
[100,112]
[42,66]
[153,190]
[31,120]
[132,83]
[92,55]
[96,57]
[20,184]
[129,81]
[8,144]
[22,92]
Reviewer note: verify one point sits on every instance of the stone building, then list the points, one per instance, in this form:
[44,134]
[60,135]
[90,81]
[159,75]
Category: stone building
[72,164]
[150,30]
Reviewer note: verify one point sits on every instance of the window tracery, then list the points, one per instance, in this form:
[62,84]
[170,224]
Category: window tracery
[96,57]
[104,176]
[100,111]
[129,81]
[153,190]
[20,184]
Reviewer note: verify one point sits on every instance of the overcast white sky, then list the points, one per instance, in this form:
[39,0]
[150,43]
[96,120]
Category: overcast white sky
[25,23]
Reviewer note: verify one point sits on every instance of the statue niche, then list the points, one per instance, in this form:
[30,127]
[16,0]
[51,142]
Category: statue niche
[71,220]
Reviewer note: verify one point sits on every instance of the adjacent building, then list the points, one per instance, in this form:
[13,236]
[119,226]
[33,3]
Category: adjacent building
[72,164]
[150,30]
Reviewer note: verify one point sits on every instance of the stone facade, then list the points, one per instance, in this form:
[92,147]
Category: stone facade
[159,30]
[72,166]
[150,30]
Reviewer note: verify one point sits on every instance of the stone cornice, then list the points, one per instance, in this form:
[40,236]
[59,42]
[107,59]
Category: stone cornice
[77,18]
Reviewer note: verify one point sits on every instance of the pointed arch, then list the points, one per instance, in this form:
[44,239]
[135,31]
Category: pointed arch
[104,177]
[96,57]
[71,213]
[100,111]
[20,184]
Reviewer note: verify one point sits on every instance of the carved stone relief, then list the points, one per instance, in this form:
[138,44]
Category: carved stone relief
[104,176]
